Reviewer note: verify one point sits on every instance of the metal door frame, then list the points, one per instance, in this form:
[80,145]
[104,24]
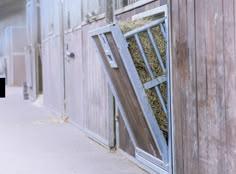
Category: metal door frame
[158,10]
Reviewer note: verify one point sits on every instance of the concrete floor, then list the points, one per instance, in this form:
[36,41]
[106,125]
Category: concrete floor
[27,147]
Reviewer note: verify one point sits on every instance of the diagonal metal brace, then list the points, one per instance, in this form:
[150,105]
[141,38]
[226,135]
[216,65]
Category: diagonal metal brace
[155,82]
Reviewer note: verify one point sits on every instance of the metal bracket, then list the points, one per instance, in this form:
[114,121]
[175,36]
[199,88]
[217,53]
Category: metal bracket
[108,52]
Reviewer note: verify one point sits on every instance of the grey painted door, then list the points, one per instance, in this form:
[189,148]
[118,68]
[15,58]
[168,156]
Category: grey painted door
[74,78]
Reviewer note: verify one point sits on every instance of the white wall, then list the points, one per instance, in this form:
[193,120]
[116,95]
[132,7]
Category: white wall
[17,19]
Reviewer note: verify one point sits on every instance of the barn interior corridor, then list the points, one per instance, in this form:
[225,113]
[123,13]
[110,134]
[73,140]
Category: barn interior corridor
[30,144]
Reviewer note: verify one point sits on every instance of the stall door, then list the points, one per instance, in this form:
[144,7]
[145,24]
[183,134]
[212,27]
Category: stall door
[98,105]
[74,78]
[152,143]
[86,90]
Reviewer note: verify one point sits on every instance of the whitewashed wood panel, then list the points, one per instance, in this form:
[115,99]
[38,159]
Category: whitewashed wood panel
[52,74]
[96,92]
[74,79]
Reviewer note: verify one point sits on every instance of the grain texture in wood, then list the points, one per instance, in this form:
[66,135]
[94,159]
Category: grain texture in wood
[74,78]
[52,68]
[128,98]
[229,9]
[95,88]
[125,141]
[203,56]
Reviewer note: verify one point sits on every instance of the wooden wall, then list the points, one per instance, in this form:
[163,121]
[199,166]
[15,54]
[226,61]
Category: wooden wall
[97,105]
[74,78]
[52,74]
[15,19]
[33,59]
[52,55]
[15,41]
[50,18]
[127,15]
[71,15]
[86,90]
[123,3]
[204,86]
[97,6]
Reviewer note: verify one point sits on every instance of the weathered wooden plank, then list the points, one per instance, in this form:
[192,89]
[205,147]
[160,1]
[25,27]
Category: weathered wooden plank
[183,63]
[210,146]
[44,18]
[15,39]
[177,104]
[211,86]
[163,2]
[191,149]
[125,142]
[51,21]
[230,82]
[95,89]
[220,139]
[201,87]
[52,69]
[72,13]
[131,107]
[140,9]
[109,11]
[19,70]
[74,79]
[214,55]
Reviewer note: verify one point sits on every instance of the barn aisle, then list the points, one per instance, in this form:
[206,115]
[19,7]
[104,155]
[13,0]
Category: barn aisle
[33,144]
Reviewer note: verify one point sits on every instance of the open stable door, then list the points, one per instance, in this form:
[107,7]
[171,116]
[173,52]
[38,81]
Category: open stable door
[152,145]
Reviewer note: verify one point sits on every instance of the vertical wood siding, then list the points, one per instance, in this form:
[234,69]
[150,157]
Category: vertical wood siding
[50,18]
[97,6]
[52,55]
[52,84]
[84,78]
[96,93]
[204,86]
[74,78]
[15,40]
[72,13]
[123,3]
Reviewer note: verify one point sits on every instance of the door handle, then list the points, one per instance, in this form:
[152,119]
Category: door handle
[70,54]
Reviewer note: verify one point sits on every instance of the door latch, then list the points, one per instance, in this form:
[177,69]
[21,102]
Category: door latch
[70,54]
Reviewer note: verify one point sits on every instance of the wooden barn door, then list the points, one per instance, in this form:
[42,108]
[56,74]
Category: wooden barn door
[74,77]
[98,106]
[73,62]
[87,97]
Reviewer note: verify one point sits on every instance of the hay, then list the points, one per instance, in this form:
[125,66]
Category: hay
[156,68]
[53,120]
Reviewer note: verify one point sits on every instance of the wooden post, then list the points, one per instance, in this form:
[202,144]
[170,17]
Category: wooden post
[109,11]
